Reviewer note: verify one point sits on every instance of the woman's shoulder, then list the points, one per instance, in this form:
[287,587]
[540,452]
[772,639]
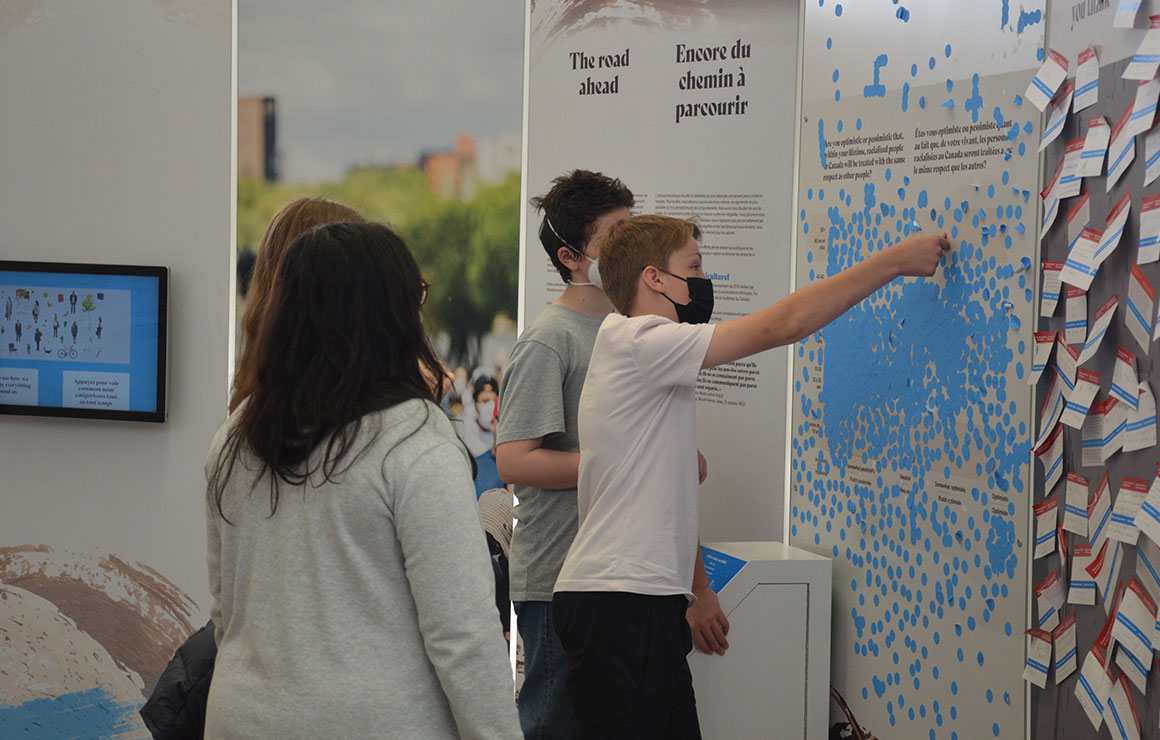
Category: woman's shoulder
[408,430]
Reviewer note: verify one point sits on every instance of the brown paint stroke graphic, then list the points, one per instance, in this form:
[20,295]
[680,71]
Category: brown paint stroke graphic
[135,613]
[209,18]
[557,18]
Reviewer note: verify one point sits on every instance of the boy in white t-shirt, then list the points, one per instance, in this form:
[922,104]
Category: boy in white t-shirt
[620,599]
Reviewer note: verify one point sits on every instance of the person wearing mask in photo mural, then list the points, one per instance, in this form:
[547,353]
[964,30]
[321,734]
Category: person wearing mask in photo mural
[539,441]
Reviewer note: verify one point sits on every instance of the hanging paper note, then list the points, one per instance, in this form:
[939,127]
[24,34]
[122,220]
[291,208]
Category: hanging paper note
[1126,11]
[1049,600]
[1051,456]
[1104,639]
[1147,57]
[1075,317]
[1103,432]
[1121,150]
[1067,362]
[1099,514]
[1069,179]
[1105,568]
[1083,586]
[1038,658]
[1148,520]
[1078,218]
[1051,409]
[1061,547]
[1140,427]
[1044,344]
[1148,565]
[1046,515]
[1049,298]
[1060,105]
[1144,108]
[1099,328]
[1151,155]
[1079,402]
[1149,230]
[1087,80]
[1114,229]
[1125,386]
[1094,686]
[1123,720]
[1050,201]
[1122,525]
[1047,80]
[1135,623]
[1063,638]
[1095,146]
[1075,500]
[1140,306]
[1082,262]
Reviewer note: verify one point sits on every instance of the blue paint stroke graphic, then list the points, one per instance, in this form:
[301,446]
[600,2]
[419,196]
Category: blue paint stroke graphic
[91,713]
[975,103]
[1028,19]
[822,141]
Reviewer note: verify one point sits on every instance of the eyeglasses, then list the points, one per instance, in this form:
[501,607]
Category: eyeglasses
[424,286]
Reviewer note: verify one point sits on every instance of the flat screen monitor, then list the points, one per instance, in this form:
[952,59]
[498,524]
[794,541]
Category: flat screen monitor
[83,341]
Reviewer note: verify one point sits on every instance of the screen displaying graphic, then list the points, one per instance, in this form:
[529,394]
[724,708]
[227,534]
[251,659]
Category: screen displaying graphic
[83,340]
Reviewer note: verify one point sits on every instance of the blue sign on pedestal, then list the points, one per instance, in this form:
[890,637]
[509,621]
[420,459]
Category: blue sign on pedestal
[720,567]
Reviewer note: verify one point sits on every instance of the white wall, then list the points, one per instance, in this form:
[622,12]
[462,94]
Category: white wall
[116,147]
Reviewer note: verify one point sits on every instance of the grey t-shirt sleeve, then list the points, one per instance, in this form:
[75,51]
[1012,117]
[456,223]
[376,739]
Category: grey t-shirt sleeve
[448,569]
[531,403]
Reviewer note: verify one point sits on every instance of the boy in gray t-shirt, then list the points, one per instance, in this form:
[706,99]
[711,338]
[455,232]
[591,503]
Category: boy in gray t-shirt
[538,441]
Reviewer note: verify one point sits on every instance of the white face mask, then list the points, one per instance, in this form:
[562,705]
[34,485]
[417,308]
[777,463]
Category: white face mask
[484,412]
[594,278]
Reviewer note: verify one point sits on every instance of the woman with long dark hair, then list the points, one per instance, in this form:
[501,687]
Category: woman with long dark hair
[347,561]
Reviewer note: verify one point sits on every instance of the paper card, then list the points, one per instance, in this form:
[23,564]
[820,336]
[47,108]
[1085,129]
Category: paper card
[1135,622]
[1144,109]
[1052,285]
[1061,540]
[1048,79]
[1135,669]
[1083,585]
[1046,515]
[1121,150]
[1067,363]
[1051,409]
[1092,435]
[1087,385]
[1075,315]
[1079,217]
[1123,721]
[1044,344]
[1069,179]
[1087,80]
[1050,201]
[1151,155]
[1105,569]
[1122,525]
[1104,639]
[1099,328]
[1094,687]
[1060,106]
[1095,146]
[1126,11]
[1140,306]
[1063,638]
[1082,263]
[1147,57]
[1148,521]
[1038,658]
[1051,456]
[1114,228]
[1099,514]
[1148,569]
[1075,500]
[1149,229]
[1125,386]
[1140,429]
[1049,600]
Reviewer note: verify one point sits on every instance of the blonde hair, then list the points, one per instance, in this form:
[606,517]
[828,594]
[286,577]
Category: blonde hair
[295,218]
[632,245]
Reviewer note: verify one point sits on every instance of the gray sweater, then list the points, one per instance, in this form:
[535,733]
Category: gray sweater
[363,608]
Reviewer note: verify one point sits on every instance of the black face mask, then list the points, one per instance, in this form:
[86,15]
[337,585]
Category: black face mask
[699,309]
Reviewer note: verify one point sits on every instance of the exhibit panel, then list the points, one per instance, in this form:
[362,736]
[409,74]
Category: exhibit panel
[911,415]
[691,105]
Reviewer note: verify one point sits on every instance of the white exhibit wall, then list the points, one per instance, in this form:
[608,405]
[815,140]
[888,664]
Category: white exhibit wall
[116,147]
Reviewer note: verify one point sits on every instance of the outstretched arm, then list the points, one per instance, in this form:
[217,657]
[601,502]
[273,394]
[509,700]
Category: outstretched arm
[808,309]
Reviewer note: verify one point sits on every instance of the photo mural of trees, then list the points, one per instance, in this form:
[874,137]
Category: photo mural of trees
[467,249]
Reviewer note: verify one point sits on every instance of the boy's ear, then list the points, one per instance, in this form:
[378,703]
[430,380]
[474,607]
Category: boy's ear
[568,258]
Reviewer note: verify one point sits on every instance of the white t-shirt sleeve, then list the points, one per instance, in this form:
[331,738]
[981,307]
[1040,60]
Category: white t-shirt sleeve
[669,353]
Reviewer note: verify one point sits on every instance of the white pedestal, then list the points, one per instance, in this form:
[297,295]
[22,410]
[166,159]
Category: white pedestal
[774,681]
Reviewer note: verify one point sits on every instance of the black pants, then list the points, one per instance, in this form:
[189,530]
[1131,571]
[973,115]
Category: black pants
[628,675]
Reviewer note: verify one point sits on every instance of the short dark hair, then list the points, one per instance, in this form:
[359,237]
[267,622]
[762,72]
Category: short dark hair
[573,204]
[482,382]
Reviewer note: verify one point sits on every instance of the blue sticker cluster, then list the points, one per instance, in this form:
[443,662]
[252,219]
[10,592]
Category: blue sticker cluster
[915,382]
